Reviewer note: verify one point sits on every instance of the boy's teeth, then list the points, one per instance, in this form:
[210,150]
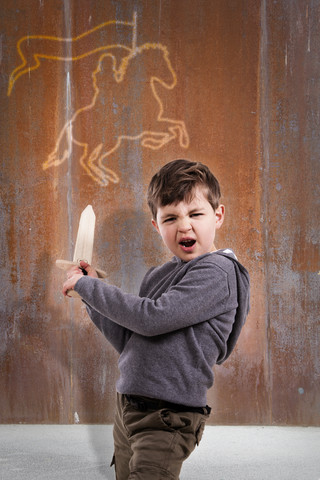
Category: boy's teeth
[187,243]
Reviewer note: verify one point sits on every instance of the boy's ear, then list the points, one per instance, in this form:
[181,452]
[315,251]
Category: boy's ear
[155,225]
[219,213]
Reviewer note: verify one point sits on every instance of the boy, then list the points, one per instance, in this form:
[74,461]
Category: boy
[187,317]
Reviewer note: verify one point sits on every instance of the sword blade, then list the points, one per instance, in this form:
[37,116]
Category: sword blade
[84,243]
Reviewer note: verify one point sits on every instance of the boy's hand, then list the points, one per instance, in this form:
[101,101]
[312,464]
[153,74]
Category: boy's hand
[75,273]
[85,267]
[70,283]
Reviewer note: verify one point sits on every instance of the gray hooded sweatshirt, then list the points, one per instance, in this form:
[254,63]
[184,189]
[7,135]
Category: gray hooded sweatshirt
[186,318]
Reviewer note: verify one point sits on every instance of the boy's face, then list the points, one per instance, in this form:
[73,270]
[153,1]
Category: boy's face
[188,228]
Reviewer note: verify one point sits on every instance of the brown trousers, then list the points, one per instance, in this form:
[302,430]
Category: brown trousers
[153,444]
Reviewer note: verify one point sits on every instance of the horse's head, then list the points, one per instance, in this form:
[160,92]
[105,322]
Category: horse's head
[152,60]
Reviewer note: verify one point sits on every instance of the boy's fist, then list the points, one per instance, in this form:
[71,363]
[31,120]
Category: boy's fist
[75,273]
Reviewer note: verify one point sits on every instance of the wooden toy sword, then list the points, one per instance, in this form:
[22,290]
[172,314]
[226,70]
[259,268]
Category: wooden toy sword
[84,245]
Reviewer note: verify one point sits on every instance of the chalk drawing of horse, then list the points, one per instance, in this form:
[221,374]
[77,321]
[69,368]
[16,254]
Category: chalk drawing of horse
[126,106]
[129,85]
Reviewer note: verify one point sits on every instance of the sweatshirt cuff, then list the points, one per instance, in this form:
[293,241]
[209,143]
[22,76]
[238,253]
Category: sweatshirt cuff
[77,287]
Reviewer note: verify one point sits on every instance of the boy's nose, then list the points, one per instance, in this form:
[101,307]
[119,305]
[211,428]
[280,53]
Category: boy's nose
[185,225]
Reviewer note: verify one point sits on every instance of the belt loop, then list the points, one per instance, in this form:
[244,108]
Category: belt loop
[137,403]
[142,406]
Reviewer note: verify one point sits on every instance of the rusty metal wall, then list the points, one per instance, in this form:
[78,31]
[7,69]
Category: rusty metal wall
[291,147]
[95,97]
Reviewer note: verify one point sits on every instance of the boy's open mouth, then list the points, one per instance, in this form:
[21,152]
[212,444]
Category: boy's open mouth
[187,243]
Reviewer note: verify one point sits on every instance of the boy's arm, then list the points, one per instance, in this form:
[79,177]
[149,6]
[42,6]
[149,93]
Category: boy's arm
[114,333]
[202,294]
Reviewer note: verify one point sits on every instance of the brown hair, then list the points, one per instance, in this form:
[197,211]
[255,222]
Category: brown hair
[175,182]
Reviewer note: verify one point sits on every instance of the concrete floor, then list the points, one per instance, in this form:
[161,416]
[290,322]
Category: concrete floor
[226,453]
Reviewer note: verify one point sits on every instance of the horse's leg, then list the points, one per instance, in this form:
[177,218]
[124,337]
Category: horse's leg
[155,140]
[108,174]
[165,132]
[87,163]
[94,167]
[179,131]
[63,147]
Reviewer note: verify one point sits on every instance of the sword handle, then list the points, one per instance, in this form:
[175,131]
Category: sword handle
[67,264]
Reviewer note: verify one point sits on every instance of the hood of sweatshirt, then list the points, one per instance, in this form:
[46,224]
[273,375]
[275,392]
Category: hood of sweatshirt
[243,293]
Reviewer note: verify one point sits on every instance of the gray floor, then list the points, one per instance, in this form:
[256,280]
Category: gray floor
[225,453]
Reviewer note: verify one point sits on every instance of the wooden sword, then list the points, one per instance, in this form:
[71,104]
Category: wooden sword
[84,245]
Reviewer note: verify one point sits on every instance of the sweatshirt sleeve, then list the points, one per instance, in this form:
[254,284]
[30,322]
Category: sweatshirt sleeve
[200,295]
[114,333]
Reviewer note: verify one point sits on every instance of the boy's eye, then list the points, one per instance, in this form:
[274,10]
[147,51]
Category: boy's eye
[169,219]
[196,214]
